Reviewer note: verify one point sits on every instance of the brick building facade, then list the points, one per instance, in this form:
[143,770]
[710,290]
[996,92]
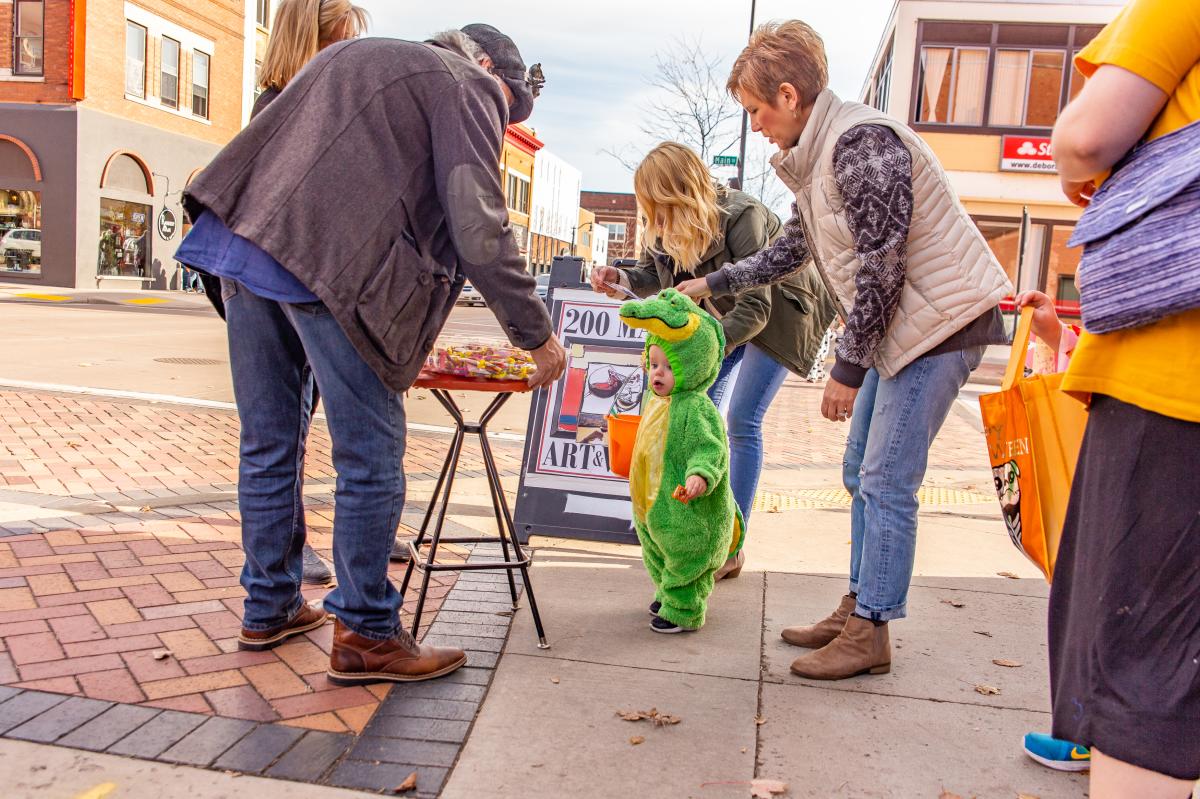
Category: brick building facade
[619,214]
[107,109]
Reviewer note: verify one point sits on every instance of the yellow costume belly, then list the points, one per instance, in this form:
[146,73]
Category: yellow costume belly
[645,472]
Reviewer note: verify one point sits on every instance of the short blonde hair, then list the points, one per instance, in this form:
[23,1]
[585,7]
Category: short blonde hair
[778,53]
[299,30]
[679,197]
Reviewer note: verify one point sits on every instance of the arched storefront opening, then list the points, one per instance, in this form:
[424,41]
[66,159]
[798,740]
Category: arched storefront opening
[126,217]
[20,209]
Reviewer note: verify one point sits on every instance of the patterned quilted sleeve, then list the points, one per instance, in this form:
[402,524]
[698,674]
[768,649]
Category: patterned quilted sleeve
[873,172]
[786,255]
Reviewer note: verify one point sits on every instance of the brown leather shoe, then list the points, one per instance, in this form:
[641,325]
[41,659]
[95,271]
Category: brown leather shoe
[357,660]
[732,567]
[861,648]
[815,636]
[307,618]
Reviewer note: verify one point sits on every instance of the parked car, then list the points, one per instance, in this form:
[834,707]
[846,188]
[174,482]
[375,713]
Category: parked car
[543,285]
[470,295]
[23,238]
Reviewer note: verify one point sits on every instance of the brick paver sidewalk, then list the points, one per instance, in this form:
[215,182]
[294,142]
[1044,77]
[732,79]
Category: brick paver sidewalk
[138,601]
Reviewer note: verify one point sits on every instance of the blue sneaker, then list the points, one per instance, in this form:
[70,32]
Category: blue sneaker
[1056,754]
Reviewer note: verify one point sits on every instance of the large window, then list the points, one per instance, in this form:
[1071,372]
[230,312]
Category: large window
[135,59]
[200,63]
[20,232]
[124,238]
[881,88]
[28,40]
[169,87]
[262,13]
[978,75]
[616,231]
[518,193]
[953,82]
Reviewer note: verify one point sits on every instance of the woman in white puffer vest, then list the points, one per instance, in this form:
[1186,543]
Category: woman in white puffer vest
[919,291]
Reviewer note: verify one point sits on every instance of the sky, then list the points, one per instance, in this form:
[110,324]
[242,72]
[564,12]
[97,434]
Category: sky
[598,58]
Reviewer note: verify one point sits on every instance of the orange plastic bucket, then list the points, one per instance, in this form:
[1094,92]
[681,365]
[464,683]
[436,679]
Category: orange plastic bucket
[622,433]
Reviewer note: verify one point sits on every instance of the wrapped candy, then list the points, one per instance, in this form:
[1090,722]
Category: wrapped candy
[480,360]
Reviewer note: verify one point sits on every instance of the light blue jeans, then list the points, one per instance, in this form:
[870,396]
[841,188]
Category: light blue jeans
[757,384]
[895,421]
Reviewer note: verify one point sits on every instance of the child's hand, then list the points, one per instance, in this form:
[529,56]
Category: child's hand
[1046,325]
[697,486]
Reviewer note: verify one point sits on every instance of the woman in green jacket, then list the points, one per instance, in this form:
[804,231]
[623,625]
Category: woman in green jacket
[697,226]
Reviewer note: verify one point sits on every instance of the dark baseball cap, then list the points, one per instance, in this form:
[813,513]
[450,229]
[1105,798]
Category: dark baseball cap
[525,83]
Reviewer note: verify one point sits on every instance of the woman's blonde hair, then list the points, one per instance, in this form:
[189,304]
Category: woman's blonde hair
[678,197]
[778,53]
[301,27]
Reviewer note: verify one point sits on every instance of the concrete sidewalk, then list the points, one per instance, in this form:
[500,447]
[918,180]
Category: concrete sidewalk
[549,726]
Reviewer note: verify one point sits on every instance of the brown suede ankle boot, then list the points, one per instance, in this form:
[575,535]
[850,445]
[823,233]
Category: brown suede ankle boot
[861,648]
[357,660]
[815,636]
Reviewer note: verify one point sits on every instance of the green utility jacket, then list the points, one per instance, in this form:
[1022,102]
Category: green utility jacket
[787,320]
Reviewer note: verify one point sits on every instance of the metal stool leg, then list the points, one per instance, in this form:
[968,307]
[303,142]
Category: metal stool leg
[497,491]
[509,528]
[456,448]
[433,503]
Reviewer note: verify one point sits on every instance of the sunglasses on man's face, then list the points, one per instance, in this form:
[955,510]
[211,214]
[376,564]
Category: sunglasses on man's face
[535,79]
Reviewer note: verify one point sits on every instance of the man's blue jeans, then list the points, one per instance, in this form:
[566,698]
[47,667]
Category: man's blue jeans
[895,421]
[272,347]
[757,384]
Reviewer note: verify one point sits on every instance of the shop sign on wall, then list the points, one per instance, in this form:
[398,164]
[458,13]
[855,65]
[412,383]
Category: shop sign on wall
[1027,154]
[567,488]
[166,224]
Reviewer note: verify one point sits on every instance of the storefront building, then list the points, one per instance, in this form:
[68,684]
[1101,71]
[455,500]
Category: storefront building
[516,177]
[107,110]
[983,83]
[554,215]
[618,213]
[591,240]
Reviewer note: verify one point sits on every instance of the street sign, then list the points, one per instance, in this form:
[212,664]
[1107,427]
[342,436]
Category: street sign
[1027,154]
[567,489]
[725,160]
[166,224]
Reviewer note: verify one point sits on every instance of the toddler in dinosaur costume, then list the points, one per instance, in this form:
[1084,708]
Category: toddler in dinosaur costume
[683,508]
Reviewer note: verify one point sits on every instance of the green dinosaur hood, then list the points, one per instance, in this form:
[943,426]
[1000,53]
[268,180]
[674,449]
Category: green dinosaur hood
[692,339]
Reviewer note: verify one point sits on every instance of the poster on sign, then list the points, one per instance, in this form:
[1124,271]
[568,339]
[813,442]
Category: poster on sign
[1027,154]
[567,488]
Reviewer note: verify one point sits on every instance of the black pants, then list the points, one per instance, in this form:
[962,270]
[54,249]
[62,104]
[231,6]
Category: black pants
[1125,605]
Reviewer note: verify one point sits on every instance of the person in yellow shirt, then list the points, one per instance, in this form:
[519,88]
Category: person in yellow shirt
[1125,604]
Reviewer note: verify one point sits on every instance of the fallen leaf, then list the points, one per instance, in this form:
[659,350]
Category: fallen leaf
[637,739]
[773,509]
[409,784]
[743,750]
[160,654]
[145,509]
[1008,664]
[1009,575]
[1027,796]
[954,603]
[504,613]
[765,789]
[554,680]
[987,690]
[947,795]
[652,715]
[984,633]
[760,720]
[73,444]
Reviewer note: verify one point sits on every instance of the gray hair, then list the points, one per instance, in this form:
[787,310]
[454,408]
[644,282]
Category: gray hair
[460,43]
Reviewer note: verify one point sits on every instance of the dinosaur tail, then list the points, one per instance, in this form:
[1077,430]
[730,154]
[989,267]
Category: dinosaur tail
[739,531]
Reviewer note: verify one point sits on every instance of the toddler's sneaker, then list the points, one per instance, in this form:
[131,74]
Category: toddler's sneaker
[661,625]
[655,607]
[1057,754]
